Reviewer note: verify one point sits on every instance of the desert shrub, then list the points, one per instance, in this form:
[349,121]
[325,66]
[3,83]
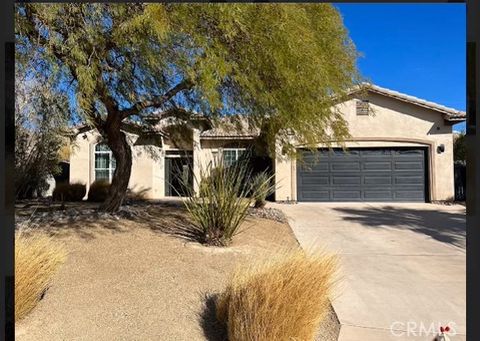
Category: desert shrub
[262,182]
[137,195]
[37,258]
[40,119]
[284,298]
[98,191]
[69,192]
[459,147]
[222,202]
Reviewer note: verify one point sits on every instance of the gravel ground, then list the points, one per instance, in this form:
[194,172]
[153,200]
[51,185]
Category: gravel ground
[268,213]
[144,278]
[46,212]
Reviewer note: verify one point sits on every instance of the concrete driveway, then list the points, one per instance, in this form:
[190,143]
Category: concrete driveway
[402,266]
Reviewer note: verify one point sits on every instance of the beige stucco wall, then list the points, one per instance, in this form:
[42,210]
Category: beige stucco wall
[147,174]
[148,170]
[393,123]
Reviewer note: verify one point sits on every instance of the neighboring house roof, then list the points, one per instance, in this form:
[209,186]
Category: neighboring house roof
[450,114]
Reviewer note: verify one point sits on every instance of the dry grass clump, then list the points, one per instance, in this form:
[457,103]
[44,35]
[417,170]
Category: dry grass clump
[281,299]
[37,258]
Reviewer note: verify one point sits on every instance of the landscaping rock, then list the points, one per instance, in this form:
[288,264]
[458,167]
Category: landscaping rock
[268,213]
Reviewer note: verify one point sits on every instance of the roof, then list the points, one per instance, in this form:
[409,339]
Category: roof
[450,114]
[232,127]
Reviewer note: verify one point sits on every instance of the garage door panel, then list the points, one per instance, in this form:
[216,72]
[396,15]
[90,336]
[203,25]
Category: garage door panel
[317,188]
[377,180]
[409,180]
[320,180]
[376,165]
[346,180]
[317,195]
[377,195]
[407,152]
[344,166]
[375,153]
[347,195]
[319,165]
[410,195]
[374,174]
[408,165]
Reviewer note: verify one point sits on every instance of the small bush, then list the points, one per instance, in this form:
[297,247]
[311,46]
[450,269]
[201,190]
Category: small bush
[98,191]
[69,192]
[281,299]
[137,195]
[221,204]
[262,182]
[37,258]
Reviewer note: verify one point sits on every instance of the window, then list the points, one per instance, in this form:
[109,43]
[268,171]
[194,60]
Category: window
[231,155]
[104,163]
[362,107]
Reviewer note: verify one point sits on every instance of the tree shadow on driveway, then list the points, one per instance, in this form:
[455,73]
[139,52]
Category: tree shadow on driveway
[446,226]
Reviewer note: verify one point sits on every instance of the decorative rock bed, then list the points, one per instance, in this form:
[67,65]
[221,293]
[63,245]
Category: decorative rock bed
[39,212]
[268,213]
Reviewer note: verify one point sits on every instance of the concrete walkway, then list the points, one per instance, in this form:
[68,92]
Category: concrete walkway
[402,266]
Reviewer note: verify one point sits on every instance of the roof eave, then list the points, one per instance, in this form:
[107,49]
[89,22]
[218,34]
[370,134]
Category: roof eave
[450,114]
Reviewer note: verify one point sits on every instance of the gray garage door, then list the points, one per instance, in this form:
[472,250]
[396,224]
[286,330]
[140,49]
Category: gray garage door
[376,174]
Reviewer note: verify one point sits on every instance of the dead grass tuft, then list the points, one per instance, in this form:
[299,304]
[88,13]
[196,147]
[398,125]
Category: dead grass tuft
[284,298]
[37,258]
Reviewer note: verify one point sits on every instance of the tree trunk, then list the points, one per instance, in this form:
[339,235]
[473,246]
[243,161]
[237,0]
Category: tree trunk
[117,141]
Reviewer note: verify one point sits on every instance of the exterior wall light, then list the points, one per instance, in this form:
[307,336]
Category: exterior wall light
[440,148]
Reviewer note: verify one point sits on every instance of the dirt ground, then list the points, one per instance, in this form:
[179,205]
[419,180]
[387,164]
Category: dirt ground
[145,279]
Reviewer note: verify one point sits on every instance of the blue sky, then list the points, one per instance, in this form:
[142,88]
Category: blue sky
[417,49]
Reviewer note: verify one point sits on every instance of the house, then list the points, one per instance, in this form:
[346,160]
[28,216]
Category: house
[401,149]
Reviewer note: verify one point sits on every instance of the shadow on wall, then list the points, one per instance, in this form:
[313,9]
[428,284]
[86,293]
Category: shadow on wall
[444,226]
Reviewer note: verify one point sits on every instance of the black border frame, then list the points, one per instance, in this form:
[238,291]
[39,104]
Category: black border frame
[473,170]
[7,155]
[7,133]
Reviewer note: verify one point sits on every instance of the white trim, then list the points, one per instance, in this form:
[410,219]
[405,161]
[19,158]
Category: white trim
[110,168]
[236,150]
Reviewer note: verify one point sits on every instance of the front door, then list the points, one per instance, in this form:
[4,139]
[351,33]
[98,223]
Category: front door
[178,175]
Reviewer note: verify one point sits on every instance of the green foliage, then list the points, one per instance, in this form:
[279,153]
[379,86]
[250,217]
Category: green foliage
[262,183]
[278,64]
[69,192]
[222,202]
[98,191]
[459,147]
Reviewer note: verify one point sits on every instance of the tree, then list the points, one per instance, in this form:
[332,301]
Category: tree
[280,65]
[40,117]
[459,148]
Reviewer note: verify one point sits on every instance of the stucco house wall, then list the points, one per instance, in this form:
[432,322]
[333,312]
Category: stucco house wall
[148,169]
[393,123]
[146,174]
[395,120]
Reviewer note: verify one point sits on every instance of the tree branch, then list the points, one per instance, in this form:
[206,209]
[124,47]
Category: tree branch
[156,101]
